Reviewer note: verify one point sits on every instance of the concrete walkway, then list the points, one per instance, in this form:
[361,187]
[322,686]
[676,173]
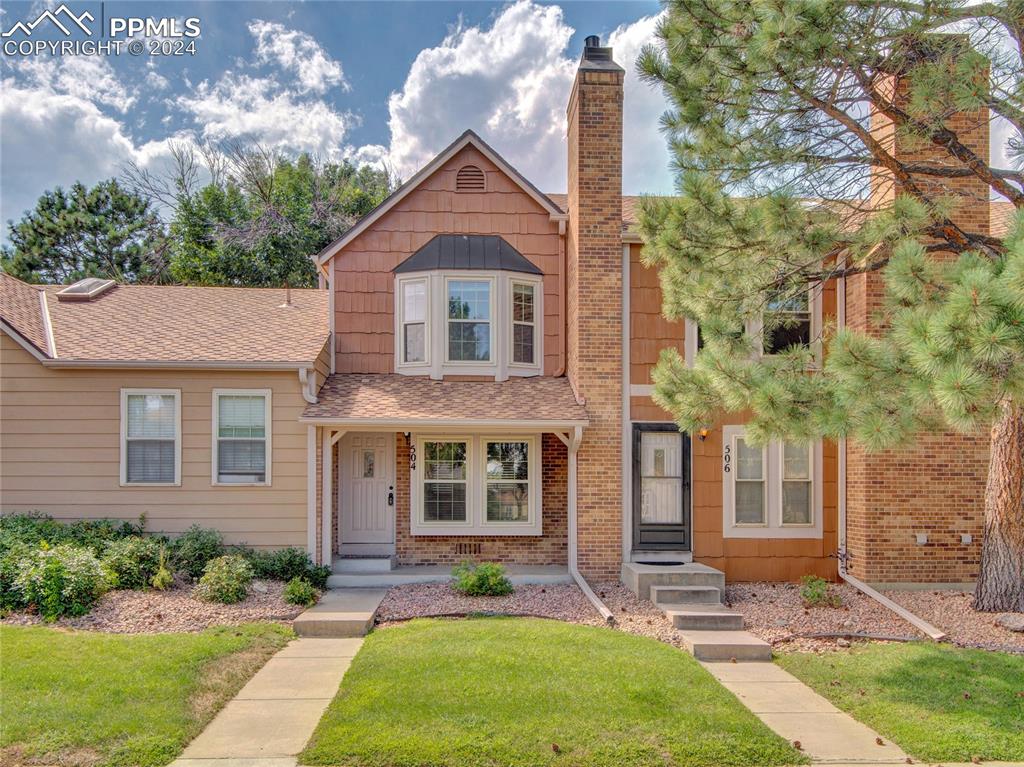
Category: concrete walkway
[798,714]
[273,717]
[340,613]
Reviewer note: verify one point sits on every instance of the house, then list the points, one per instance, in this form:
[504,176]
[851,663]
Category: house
[472,380]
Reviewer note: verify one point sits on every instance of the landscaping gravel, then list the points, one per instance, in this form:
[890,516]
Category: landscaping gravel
[951,611]
[175,610]
[775,612]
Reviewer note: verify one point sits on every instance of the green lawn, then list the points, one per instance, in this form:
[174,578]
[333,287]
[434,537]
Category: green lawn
[509,691]
[115,699]
[938,703]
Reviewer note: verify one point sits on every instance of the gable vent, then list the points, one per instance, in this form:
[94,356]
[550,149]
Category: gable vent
[470,179]
[85,290]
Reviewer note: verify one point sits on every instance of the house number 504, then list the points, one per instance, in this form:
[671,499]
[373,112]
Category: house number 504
[726,458]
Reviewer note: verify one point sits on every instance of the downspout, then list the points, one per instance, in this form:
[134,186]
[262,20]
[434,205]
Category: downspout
[573,444]
[928,629]
[306,381]
[562,299]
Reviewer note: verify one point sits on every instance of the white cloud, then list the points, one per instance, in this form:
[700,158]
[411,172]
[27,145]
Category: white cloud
[90,78]
[298,53]
[260,109]
[511,82]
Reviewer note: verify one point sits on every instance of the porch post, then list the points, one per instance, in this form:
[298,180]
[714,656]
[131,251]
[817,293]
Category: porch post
[311,491]
[327,501]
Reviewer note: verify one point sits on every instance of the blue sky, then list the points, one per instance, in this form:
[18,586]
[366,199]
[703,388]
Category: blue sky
[374,82]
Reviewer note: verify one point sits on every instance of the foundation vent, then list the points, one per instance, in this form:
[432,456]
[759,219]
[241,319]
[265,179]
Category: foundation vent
[470,179]
[468,549]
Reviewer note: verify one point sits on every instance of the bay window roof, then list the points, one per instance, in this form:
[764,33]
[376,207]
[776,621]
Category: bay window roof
[467,252]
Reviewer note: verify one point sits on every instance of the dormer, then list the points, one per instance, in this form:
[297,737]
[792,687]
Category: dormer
[468,305]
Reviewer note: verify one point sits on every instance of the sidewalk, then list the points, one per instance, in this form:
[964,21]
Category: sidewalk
[273,717]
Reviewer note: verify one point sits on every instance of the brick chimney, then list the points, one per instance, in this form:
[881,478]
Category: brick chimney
[915,515]
[594,282]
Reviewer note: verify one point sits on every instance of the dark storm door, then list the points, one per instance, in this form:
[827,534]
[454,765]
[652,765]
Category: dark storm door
[661,487]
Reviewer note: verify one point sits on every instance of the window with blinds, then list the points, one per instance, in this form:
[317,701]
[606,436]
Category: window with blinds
[150,453]
[242,437]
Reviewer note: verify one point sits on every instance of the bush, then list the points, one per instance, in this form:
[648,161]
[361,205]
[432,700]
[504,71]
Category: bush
[131,563]
[33,529]
[484,580]
[225,580]
[300,592]
[285,565]
[64,580]
[816,592]
[10,565]
[163,578]
[195,548]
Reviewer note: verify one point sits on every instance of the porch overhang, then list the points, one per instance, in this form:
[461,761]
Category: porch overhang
[407,403]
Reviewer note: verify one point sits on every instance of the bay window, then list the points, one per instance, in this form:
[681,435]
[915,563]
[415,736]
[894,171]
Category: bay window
[523,323]
[241,436]
[150,437]
[469,320]
[413,340]
[770,491]
[476,486]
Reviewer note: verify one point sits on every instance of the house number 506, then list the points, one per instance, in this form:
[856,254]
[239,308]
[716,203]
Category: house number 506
[726,458]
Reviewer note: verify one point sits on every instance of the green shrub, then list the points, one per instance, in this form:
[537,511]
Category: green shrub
[816,592]
[300,592]
[286,564]
[64,580]
[163,578]
[195,548]
[10,565]
[484,580]
[34,528]
[131,563]
[225,580]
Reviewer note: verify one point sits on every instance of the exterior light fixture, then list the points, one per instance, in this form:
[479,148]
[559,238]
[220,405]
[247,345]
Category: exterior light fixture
[703,433]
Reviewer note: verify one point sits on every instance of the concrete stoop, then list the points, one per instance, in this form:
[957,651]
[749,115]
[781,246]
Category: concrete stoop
[690,595]
[340,613]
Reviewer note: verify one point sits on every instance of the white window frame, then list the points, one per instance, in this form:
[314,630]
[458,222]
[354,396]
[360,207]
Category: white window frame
[400,323]
[781,447]
[125,393]
[733,468]
[538,312]
[215,434]
[476,488]
[773,528]
[755,327]
[492,321]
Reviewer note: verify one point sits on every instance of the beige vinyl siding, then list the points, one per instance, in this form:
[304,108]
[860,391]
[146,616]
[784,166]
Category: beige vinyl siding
[60,450]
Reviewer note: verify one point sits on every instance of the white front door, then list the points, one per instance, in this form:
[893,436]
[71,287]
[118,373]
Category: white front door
[367,488]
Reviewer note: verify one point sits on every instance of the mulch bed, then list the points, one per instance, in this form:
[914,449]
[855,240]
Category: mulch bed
[174,610]
[951,612]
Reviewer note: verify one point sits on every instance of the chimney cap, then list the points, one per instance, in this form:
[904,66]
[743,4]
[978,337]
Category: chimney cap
[596,57]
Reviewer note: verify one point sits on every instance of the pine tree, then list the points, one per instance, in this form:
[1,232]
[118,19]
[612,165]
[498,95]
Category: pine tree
[769,128]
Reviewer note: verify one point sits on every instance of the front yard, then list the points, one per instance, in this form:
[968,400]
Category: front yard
[520,692]
[86,698]
[938,703]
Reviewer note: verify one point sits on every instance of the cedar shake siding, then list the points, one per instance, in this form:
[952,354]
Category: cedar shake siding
[363,281]
[60,450]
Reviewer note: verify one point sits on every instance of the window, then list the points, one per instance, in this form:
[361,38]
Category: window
[469,320]
[789,324]
[796,484]
[414,321]
[523,324]
[445,481]
[241,429]
[772,491]
[508,482]
[750,484]
[150,437]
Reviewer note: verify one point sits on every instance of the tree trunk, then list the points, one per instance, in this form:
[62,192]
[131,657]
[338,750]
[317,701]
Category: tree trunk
[1001,581]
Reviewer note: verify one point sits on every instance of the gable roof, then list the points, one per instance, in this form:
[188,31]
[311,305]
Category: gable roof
[467,251]
[170,325]
[468,138]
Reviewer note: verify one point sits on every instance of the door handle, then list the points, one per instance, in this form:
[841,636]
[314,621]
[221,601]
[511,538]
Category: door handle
[391,496]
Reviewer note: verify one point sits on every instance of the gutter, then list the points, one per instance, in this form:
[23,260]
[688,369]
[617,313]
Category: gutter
[573,443]
[936,635]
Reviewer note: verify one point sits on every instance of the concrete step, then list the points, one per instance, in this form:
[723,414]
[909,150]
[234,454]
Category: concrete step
[639,577]
[381,564]
[703,617]
[685,595]
[725,645]
[518,574]
[340,613]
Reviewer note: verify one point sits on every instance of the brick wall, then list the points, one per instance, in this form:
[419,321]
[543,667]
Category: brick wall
[937,486]
[547,549]
[594,295]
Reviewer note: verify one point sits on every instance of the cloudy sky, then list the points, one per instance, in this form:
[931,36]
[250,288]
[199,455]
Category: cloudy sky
[382,81]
